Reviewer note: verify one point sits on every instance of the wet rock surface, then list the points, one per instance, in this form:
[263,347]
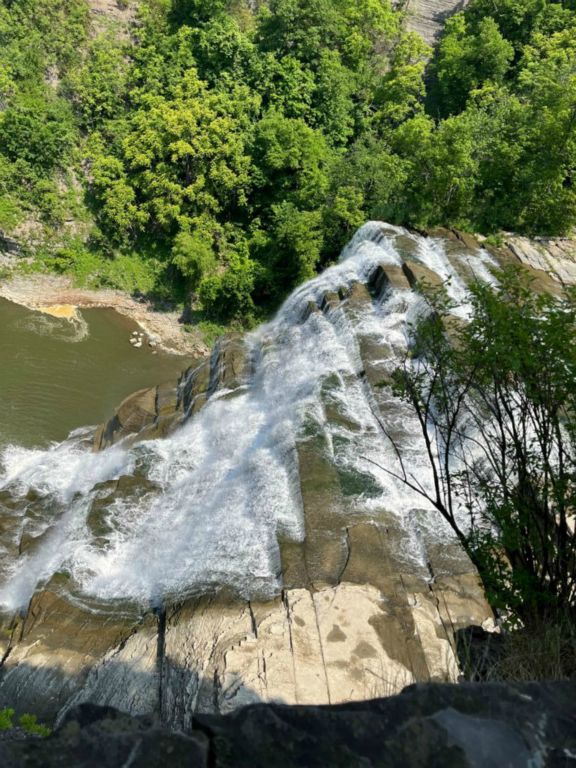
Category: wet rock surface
[354,619]
[466,726]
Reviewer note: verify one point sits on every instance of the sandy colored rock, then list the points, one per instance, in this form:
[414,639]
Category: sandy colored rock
[427,17]
[198,635]
[127,676]
[363,656]
[112,14]
[546,256]
[358,299]
[57,646]
[386,277]
[420,274]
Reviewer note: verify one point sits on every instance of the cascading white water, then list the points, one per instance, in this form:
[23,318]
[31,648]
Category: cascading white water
[227,481]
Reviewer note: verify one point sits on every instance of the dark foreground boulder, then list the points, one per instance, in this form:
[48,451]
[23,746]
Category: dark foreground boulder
[442,726]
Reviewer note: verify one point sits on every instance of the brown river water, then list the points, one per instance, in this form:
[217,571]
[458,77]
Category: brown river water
[57,375]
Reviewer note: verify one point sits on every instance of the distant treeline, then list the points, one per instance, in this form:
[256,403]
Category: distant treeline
[230,153]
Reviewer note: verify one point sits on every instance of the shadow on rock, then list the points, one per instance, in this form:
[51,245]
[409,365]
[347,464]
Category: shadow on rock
[447,726]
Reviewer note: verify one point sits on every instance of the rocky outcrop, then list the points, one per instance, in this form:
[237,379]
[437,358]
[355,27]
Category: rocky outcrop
[356,616]
[115,16]
[466,726]
[153,413]
[552,259]
[51,651]
[137,412]
[347,642]
[549,263]
[427,17]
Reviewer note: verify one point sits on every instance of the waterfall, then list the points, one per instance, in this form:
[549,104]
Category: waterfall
[213,500]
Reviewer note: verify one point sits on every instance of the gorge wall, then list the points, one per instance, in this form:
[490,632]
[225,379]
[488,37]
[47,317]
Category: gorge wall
[236,536]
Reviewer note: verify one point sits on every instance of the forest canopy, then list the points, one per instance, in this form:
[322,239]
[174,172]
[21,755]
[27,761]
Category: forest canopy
[230,152]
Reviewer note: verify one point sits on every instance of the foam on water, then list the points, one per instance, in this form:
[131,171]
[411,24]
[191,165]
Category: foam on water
[71,330]
[227,481]
[64,470]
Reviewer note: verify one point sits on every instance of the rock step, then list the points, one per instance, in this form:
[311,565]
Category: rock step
[56,646]
[230,364]
[419,275]
[324,548]
[153,413]
[341,643]
[542,280]
[193,388]
[387,277]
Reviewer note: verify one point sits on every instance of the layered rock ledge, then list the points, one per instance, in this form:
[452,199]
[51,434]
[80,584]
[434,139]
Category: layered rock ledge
[355,619]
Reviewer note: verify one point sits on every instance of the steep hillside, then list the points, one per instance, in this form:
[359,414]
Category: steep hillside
[220,153]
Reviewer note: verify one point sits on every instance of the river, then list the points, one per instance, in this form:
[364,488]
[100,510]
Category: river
[57,375]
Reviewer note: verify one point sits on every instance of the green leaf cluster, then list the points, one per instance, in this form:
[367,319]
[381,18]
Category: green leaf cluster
[27,722]
[239,145]
[219,138]
[496,402]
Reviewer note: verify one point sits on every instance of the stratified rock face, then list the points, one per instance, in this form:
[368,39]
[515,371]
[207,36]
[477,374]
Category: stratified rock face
[427,17]
[153,413]
[466,726]
[552,260]
[236,536]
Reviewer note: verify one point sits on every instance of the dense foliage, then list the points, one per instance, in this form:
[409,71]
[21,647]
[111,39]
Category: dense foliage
[232,151]
[496,403]
[26,722]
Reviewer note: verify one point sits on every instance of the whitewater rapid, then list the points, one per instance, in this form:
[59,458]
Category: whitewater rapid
[224,487]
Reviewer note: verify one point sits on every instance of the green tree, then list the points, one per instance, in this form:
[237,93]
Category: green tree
[547,82]
[297,244]
[99,87]
[496,402]
[292,161]
[468,57]
[222,47]
[182,157]
[228,296]
[401,93]
[195,11]
[285,84]
[37,128]
[333,110]
[193,252]
[515,18]
[306,27]
[216,135]
[119,214]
